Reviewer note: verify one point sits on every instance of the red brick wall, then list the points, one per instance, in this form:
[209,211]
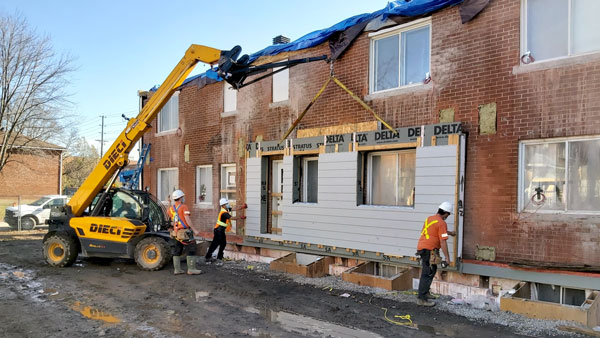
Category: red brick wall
[471,64]
[31,174]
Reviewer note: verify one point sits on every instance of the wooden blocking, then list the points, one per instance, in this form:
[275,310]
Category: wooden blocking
[521,302]
[303,264]
[385,276]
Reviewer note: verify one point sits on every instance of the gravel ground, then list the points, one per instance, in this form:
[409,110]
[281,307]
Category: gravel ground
[332,284]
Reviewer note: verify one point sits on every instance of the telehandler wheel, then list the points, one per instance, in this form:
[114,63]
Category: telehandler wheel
[60,250]
[152,253]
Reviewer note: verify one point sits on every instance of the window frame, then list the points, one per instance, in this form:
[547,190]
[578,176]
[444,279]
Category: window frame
[159,129]
[304,180]
[368,198]
[208,167]
[223,188]
[158,182]
[521,203]
[396,30]
[524,43]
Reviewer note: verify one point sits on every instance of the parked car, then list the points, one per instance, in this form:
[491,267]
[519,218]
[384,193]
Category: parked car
[33,214]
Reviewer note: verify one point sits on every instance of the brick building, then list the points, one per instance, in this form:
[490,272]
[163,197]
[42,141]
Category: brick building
[32,170]
[524,90]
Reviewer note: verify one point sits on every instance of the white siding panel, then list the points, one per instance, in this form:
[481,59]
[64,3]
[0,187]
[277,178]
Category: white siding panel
[253,196]
[336,220]
[437,151]
[435,171]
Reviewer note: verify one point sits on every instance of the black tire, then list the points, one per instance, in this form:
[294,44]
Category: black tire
[60,250]
[27,223]
[152,253]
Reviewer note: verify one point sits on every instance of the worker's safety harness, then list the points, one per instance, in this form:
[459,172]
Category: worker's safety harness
[181,231]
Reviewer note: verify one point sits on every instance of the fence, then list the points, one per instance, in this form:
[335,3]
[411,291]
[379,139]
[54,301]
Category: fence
[26,212]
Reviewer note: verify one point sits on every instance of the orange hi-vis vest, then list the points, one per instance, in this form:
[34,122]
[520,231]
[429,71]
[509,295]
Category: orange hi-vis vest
[178,222]
[434,231]
[227,224]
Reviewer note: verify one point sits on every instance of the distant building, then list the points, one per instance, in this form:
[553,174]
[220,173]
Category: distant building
[33,169]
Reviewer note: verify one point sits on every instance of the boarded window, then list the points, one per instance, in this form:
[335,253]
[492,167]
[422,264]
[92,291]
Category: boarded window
[281,85]
[229,98]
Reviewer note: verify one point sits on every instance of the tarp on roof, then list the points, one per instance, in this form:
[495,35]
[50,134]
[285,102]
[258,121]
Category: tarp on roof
[342,34]
[409,8]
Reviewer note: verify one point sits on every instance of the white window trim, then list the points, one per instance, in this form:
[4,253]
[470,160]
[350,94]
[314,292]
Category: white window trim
[223,166]
[369,185]
[551,61]
[521,181]
[201,204]
[158,182]
[172,130]
[396,30]
[304,182]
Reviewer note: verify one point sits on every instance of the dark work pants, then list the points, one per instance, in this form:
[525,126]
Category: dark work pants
[219,240]
[427,273]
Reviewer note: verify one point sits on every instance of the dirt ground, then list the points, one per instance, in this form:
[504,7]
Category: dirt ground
[116,299]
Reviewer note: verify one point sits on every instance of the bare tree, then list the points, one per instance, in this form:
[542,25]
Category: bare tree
[80,160]
[32,82]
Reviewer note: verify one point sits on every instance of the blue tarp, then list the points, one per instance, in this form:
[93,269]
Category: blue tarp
[406,8]
[393,8]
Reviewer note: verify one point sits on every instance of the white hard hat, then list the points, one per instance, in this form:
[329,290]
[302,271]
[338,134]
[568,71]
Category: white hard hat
[223,201]
[177,194]
[447,207]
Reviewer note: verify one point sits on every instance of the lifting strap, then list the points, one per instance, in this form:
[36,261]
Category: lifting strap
[354,96]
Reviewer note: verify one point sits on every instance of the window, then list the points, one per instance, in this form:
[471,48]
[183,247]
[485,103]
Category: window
[228,182]
[125,205]
[309,178]
[391,178]
[167,182]
[229,98]
[400,57]
[281,85]
[560,175]
[204,184]
[168,117]
[558,28]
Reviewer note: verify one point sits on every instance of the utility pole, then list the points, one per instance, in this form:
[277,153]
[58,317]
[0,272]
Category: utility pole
[102,137]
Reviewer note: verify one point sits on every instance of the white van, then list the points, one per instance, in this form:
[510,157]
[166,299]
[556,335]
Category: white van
[33,214]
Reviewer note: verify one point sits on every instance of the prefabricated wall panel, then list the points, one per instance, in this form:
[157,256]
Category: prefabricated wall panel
[337,220]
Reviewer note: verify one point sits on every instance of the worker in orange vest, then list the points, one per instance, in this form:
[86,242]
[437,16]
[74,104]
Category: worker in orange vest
[433,237]
[183,232]
[222,226]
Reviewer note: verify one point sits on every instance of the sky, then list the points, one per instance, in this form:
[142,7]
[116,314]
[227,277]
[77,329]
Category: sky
[120,47]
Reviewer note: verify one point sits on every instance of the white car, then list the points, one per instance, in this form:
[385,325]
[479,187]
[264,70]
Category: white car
[35,213]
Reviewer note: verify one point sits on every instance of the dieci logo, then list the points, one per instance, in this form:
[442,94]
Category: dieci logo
[114,154]
[105,229]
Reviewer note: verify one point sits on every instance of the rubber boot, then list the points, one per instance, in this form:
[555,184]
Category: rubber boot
[191,265]
[177,265]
